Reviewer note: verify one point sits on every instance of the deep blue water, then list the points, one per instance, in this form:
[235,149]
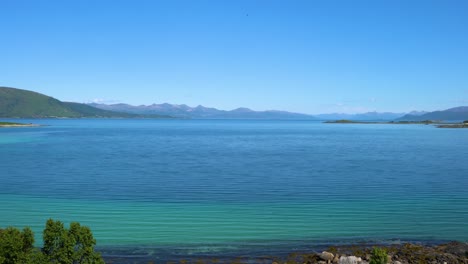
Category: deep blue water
[236,182]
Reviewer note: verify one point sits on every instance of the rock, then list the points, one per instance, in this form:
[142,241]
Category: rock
[458,249]
[326,256]
[336,260]
[350,260]
[397,262]
[322,262]
[367,257]
[389,259]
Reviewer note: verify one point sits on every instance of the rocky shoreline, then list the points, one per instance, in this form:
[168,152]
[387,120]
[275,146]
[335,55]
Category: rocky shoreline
[406,253]
[453,252]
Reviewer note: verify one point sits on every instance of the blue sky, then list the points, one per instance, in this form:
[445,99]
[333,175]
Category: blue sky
[303,56]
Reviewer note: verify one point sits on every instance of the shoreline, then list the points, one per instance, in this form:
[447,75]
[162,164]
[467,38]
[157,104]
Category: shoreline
[12,124]
[25,125]
[426,122]
[398,252]
[463,125]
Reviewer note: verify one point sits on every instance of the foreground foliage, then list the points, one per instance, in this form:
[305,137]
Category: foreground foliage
[60,245]
[378,256]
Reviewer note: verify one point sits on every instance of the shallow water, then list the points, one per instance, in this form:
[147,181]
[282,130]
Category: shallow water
[221,184]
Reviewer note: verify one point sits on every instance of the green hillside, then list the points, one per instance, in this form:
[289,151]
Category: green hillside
[17,103]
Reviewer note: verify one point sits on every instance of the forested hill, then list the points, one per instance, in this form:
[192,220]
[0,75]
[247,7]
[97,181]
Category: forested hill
[18,103]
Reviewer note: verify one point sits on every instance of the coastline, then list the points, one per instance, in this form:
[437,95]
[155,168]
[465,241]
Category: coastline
[398,252]
[426,122]
[464,125]
[11,124]
[26,125]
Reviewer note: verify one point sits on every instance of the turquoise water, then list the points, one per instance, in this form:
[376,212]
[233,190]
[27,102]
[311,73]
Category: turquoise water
[232,183]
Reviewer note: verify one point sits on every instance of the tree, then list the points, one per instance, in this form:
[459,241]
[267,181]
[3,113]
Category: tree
[57,245]
[83,244]
[16,246]
[61,246]
[28,239]
[72,246]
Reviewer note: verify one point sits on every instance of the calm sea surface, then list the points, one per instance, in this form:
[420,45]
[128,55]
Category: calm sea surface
[167,183]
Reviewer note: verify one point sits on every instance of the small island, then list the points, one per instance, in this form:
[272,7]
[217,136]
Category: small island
[12,124]
[464,124]
[346,121]
[438,124]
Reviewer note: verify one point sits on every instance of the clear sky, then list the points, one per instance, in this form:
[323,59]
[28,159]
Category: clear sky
[304,56]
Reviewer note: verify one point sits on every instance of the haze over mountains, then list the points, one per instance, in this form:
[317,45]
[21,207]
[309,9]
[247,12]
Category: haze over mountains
[18,103]
[369,116]
[201,112]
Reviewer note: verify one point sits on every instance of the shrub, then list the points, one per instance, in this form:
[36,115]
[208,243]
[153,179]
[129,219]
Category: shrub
[378,256]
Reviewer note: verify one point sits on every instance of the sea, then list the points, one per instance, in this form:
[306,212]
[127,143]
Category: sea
[158,188]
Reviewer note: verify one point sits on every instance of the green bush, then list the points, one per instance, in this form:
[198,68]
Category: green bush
[378,256]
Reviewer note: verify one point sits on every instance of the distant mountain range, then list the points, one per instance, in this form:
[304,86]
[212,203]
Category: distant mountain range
[201,112]
[370,116]
[17,103]
[453,114]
